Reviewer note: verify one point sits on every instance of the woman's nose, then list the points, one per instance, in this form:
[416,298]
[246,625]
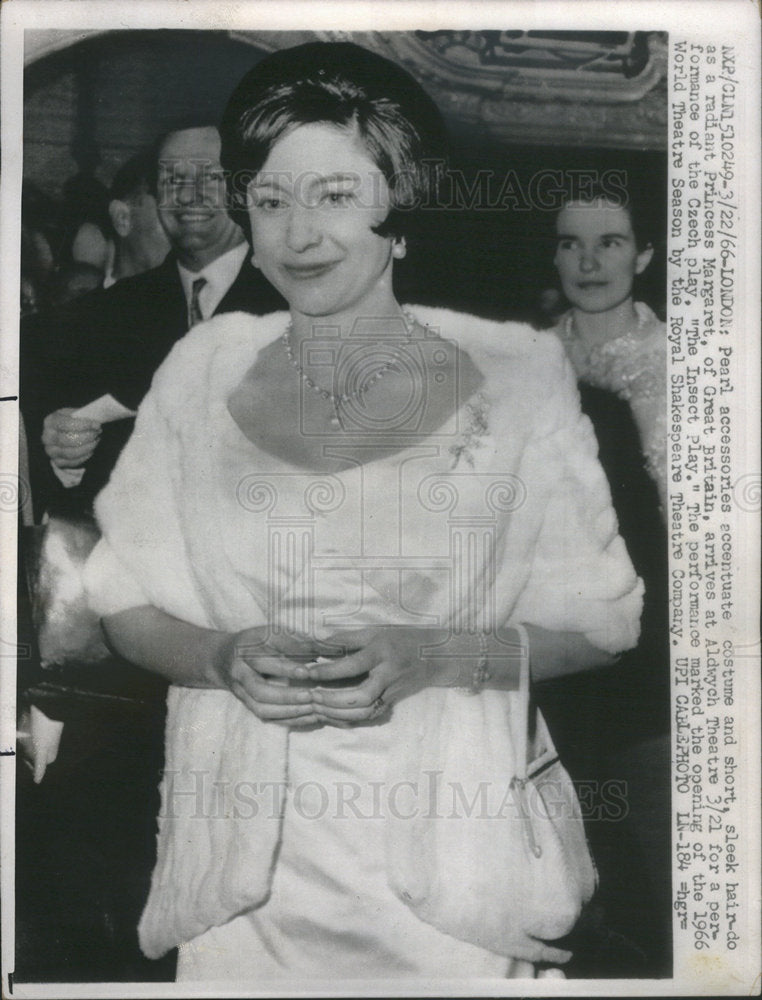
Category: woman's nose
[302,231]
[588,261]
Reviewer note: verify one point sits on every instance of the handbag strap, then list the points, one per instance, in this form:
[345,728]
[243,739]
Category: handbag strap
[521,751]
[522,735]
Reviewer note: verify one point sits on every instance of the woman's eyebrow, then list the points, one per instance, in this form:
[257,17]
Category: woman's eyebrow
[268,182]
[315,180]
[338,177]
[599,236]
[319,183]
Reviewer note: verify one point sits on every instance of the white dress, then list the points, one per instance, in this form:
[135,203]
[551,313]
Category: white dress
[311,853]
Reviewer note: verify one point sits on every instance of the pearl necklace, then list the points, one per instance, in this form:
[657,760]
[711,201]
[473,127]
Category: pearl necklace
[341,399]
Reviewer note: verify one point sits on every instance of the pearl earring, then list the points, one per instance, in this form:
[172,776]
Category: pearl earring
[399,249]
[254,261]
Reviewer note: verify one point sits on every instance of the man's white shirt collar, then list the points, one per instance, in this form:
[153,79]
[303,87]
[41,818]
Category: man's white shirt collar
[220,275]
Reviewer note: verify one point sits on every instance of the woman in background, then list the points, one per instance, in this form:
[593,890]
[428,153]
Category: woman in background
[617,735]
[614,342]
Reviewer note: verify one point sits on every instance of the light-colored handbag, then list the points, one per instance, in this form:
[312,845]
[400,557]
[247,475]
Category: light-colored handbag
[557,872]
[509,871]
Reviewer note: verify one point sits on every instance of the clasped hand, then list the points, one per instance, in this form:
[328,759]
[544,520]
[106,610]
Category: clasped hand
[275,674]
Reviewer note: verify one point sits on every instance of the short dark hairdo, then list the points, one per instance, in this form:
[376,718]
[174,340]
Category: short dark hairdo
[342,84]
[644,225]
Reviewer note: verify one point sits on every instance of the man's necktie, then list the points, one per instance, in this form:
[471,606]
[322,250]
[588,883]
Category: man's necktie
[194,309]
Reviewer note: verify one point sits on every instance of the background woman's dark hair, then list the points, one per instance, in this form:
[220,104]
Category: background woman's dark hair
[342,84]
[626,195]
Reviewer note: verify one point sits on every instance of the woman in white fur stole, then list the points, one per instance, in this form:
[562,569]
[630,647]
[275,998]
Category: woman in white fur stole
[346,535]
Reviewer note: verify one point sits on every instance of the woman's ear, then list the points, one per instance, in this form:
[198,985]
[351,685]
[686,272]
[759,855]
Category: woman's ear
[399,248]
[121,219]
[644,258]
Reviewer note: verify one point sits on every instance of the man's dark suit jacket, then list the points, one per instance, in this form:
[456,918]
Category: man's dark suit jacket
[110,341]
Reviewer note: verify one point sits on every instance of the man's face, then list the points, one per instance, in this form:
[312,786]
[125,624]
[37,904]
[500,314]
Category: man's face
[191,196]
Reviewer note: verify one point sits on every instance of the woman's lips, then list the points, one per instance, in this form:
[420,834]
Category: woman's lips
[303,272]
[591,284]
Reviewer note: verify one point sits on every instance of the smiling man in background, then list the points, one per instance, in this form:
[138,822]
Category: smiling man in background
[102,352]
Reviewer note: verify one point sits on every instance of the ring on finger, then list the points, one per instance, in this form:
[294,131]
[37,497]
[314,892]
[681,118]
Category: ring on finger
[378,707]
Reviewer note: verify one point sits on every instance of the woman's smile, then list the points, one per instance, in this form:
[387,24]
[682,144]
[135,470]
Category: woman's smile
[307,272]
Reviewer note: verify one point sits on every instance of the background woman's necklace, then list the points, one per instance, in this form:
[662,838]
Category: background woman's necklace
[338,400]
[593,348]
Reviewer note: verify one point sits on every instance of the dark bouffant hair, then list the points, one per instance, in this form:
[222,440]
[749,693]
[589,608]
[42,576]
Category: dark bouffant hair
[645,227]
[341,84]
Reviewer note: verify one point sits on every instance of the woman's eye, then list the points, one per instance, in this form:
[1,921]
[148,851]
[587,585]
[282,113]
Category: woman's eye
[270,204]
[610,241]
[566,244]
[337,197]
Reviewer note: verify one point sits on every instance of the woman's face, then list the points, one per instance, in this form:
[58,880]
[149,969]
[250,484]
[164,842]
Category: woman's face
[312,208]
[596,255]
